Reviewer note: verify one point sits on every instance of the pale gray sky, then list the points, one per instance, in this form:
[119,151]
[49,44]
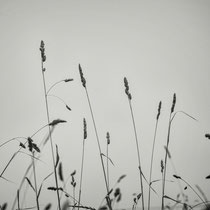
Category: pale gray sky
[162,47]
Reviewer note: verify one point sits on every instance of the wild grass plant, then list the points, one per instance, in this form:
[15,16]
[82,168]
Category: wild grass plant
[69,198]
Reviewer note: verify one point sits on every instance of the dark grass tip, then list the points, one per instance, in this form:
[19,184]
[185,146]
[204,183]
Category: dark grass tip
[173,103]
[82,76]
[127,88]
[108,138]
[176,176]
[207,135]
[159,109]
[85,128]
[57,121]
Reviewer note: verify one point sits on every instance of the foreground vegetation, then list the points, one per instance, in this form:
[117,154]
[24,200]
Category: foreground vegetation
[69,200]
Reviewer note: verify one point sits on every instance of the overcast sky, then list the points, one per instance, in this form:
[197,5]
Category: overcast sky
[162,47]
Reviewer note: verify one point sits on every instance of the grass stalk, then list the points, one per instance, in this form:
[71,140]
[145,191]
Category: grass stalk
[96,133]
[107,157]
[152,155]
[35,182]
[166,153]
[82,164]
[136,139]
[42,49]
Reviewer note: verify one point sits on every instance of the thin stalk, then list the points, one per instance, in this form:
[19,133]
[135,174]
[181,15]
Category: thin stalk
[35,182]
[194,191]
[102,162]
[138,154]
[18,199]
[107,163]
[80,184]
[151,164]
[96,133]
[99,147]
[166,154]
[50,136]
[165,162]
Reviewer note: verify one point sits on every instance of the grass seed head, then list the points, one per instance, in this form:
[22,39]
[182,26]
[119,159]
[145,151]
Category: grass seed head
[127,88]
[82,76]
[108,138]
[85,128]
[173,103]
[159,109]
[42,49]
[162,166]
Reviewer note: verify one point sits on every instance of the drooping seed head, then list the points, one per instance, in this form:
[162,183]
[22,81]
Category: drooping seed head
[68,80]
[177,177]
[207,135]
[85,128]
[57,121]
[108,138]
[173,103]
[82,76]
[159,109]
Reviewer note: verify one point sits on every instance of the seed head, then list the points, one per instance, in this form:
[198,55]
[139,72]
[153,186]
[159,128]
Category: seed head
[82,77]
[173,103]
[207,136]
[42,49]
[85,128]
[177,177]
[108,138]
[127,88]
[162,166]
[159,109]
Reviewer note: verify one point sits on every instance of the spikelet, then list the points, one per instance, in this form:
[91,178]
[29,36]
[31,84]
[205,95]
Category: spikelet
[127,88]
[108,138]
[85,128]
[177,177]
[68,80]
[42,49]
[162,166]
[159,109]
[57,121]
[207,136]
[82,76]
[173,103]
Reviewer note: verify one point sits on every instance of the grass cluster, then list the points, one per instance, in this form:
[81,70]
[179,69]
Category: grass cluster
[68,199]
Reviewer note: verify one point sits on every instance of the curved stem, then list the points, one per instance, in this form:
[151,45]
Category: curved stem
[15,138]
[54,86]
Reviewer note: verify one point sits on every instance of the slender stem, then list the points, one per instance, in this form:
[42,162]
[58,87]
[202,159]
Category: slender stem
[165,163]
[53,86]
[151,164]
[35,182]
[138,153]
[107,163]
[194,191]
[102,163]
[18,199]
[81,173]
[50,136]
